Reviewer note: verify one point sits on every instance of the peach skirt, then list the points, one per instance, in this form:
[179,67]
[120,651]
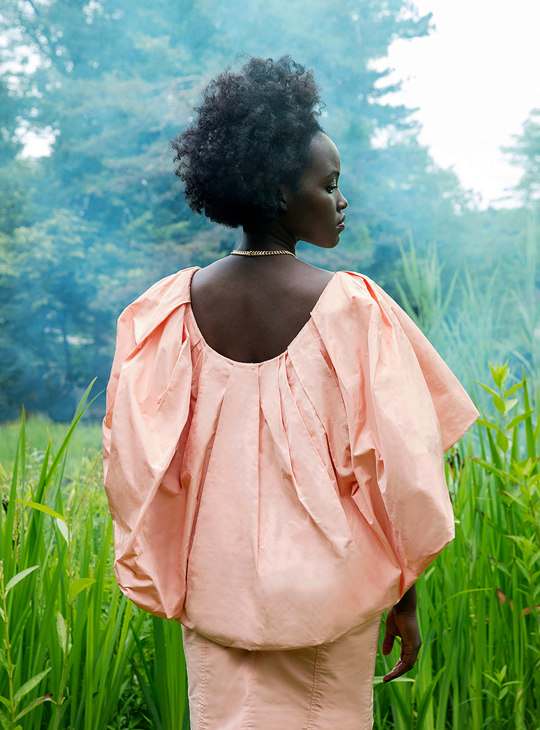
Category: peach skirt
[324,687]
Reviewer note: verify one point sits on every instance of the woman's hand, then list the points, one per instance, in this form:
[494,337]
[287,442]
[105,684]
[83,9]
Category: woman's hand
[402,621]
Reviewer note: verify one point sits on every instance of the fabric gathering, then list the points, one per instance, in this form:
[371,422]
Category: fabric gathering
[277,509]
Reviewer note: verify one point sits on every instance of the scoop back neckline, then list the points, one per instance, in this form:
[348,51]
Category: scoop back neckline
[253,365]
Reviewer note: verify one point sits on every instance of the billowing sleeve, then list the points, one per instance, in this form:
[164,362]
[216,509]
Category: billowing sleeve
[405,408]
[142,429]
[456,412]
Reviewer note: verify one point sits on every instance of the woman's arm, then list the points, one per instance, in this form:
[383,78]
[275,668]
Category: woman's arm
[402,621]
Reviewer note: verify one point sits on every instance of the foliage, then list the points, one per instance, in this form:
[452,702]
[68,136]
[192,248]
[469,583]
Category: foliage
[472,313]
[98,661]
[76,653]
[479,603]
[525,153]
[58,282]
[115,82]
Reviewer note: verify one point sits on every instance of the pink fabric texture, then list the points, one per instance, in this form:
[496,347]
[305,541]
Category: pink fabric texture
[326,687]
[281,504]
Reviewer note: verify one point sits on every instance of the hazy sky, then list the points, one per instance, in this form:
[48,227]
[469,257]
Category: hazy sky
[475,78]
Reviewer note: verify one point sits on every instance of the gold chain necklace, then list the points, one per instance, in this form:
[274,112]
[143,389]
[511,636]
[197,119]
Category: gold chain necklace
[262,253]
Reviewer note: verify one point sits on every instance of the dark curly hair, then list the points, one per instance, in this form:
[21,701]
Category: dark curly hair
[252,132]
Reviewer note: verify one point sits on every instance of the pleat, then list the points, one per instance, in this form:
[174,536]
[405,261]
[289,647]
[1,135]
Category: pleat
[315,488]
[277,505]
[396,391]
[140,498]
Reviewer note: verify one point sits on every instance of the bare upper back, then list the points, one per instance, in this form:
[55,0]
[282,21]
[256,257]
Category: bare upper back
[250,309]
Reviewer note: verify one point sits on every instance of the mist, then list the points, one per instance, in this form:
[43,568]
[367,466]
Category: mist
[91,224]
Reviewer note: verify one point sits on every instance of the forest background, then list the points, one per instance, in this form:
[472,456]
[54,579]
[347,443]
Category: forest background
[86,229]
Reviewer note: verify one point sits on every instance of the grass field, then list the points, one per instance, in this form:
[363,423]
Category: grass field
[77,654]
[85,442]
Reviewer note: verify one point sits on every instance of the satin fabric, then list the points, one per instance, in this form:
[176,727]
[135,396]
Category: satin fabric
[281,504]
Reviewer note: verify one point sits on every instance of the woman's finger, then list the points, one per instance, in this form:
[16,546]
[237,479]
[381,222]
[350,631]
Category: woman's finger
[391,631]
[406,661]
[388,642]
[401,668]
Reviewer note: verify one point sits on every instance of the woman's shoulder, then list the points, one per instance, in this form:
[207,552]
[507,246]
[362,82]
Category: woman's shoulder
[171,284]
[155,303]
[356,283]
[354,294]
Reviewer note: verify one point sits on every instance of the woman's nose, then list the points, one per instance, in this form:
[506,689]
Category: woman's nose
[343,203]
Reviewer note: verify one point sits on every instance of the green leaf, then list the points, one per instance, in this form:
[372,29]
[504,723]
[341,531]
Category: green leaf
[517,538]
[41,508]
[502,441]
[497,374]
[62,526]
[487,424]
[515,387]
[503,475]
[3,658]
[28,686]
[485,387]
[78,585]
[19,576]
[514,498]
[62,631]
[6,702]
[34,703]
[379,680]
[518,419]
[423,704]
[5,722]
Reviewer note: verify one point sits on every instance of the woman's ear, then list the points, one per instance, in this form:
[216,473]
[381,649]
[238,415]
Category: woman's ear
[284,196]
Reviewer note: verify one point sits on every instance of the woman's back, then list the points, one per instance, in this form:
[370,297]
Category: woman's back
[251,310]
[313,477]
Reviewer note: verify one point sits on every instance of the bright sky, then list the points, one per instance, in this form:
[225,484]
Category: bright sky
[476,79]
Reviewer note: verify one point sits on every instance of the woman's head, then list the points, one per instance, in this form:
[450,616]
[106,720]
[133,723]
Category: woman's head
[253,139]
[313,210]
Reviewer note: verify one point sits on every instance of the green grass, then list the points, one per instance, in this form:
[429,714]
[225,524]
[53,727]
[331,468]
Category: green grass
[75,652]
[479,602]
[84,443]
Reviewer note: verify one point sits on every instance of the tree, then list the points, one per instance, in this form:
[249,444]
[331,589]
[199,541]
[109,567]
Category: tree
[104,216]
[525,153]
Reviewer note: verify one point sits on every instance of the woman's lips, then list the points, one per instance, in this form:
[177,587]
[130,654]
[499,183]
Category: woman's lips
[341,226]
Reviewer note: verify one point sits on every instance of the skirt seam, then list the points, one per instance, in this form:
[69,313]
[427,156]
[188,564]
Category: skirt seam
[249,708]
[373,659]
[314,686]
[203,686]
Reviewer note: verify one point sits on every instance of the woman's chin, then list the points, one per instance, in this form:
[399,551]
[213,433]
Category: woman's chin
[328,243]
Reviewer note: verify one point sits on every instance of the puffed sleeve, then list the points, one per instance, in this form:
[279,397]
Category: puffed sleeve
[405,408]
[142,429]
[455,410]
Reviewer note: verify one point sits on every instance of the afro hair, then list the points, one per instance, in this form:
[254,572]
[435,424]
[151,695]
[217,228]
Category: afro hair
[252,132]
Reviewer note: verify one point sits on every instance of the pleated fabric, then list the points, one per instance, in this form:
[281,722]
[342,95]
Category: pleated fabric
[278,505]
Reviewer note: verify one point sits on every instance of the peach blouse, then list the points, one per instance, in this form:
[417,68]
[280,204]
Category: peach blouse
[279,504]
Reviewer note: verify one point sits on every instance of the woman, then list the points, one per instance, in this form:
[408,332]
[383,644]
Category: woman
[274,434]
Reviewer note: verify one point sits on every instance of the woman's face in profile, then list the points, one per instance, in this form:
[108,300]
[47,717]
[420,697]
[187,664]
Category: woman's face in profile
[315,210]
